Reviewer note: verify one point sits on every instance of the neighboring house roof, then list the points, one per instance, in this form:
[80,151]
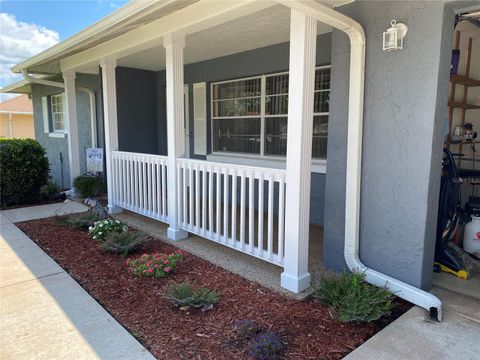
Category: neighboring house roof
[18,105]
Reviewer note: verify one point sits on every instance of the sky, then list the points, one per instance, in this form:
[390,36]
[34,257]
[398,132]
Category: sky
[28,27]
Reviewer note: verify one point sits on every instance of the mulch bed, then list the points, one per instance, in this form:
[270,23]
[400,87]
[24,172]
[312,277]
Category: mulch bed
[307,328]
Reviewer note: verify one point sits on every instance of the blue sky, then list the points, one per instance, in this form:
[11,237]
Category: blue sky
[28,27]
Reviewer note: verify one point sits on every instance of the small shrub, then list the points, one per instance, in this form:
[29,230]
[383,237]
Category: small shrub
[123,243]
[183,295]
[154,265]
[353,299]
[82,221]
[101,229]
[24,170]
[88,185]
[266,345]
[247,329]
[50,189]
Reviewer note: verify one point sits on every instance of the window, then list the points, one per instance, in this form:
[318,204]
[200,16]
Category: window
[250,115]
[58,116]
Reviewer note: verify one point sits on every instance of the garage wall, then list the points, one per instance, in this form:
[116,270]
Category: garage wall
[404,124]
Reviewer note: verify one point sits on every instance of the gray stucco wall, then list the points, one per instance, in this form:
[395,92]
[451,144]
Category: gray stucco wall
[137,110]
[57,146]
[404,118]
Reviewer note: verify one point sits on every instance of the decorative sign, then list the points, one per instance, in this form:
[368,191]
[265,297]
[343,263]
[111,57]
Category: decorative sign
[94,160]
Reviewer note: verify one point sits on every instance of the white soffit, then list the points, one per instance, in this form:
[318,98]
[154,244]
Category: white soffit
[266,27]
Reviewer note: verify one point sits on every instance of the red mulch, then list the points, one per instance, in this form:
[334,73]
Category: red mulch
[307,328]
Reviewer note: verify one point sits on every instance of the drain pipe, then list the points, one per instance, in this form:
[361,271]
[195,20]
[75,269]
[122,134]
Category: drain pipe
[89,92]
[356,35]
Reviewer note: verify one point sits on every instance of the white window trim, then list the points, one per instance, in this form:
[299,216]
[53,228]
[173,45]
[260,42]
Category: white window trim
[57,133]
[274,161]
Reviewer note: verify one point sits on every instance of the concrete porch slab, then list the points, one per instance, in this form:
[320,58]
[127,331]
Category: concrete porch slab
[43,211]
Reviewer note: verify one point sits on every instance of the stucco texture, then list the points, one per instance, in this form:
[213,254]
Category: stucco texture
[404,119]
[21,126]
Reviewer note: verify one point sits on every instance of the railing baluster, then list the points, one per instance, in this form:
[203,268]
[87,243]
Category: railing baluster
[281,218]
[242,210]
[234,208]
[260,215]
[218,225]
[270,217]
[225,204]
[251,213]
[204,200]
[184,193]
[164,190]
[190,195]
[197,197]
[149,180]
[210,201]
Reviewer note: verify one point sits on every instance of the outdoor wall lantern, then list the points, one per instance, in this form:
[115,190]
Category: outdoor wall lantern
[393,37]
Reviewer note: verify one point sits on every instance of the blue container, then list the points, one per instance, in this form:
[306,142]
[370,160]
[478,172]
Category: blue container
[455,61]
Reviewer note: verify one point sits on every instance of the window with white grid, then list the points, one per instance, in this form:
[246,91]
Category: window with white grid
[58,115]
[250,116]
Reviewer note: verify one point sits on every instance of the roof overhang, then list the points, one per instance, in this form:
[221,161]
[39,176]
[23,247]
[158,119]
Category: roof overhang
[140,23]
[19,87]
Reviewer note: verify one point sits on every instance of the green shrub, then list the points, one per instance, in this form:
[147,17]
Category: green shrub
[101,229]
[82,221]
[23,171]
[50,189]
[353,299]
[123,243]
[154,265]
[183,295]
[88,185]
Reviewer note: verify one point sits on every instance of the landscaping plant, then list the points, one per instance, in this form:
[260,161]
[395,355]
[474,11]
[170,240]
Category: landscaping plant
[23,171]
[88,185]
[123,243]
[247,329]
[353,299]
[266,346]
[50,190]
[101,229]
[82,221]
[154,265]
[184,295]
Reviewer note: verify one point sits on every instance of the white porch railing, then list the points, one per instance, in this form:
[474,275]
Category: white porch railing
[140,183]
[226,203]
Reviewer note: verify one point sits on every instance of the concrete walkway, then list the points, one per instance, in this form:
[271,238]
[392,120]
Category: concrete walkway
[44,313]
[413,336]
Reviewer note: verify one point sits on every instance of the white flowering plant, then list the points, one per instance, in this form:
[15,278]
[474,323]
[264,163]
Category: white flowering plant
[102,228]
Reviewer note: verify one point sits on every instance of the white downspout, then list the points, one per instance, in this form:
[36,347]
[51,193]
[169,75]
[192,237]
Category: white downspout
[356,35]
[90,92]
[10,126]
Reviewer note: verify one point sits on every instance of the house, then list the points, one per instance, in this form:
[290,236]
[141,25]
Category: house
[193,102]
[16,118]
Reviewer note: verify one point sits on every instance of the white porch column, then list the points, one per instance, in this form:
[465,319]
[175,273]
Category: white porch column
[174,44]
[303,32]
[71,125]
[110,123]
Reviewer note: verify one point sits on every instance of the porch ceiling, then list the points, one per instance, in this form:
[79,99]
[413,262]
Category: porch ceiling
[266,27]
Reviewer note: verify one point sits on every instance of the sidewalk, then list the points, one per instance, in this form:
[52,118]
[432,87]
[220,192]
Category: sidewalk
[44,313]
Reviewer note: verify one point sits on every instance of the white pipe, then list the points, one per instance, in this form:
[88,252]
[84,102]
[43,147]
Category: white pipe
[10,126]
[356,34]
[90,92]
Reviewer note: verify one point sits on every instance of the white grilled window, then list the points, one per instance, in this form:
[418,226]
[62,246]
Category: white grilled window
[250,116]
[58,114]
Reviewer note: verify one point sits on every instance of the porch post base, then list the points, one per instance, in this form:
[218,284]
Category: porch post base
[295,284]
[176,234]
[113,209]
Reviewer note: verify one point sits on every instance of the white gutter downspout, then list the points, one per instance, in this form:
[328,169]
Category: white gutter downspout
[356,34]
[90,92]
